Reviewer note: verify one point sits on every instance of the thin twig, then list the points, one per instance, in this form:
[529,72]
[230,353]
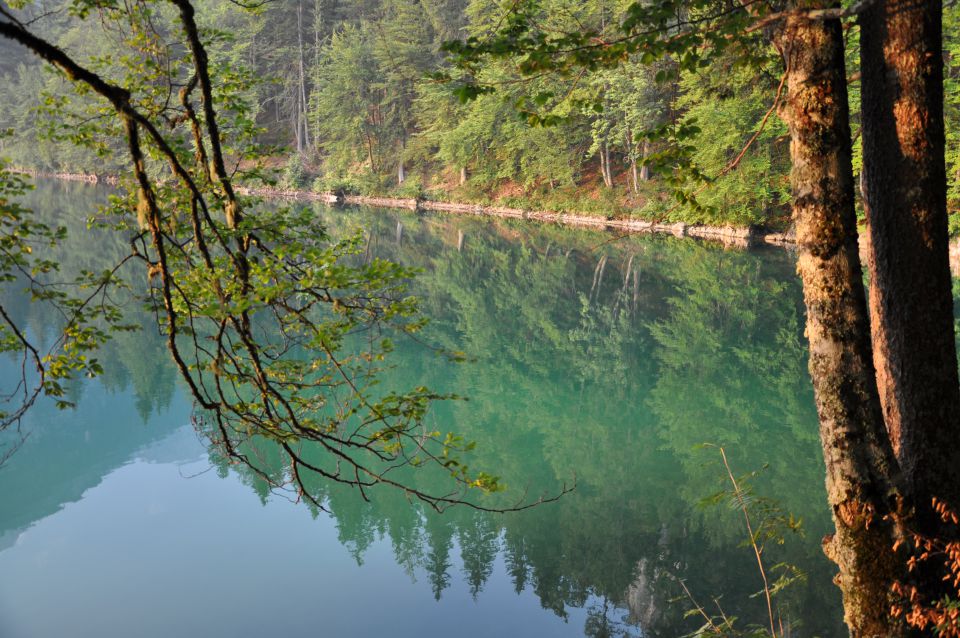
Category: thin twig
[757,550]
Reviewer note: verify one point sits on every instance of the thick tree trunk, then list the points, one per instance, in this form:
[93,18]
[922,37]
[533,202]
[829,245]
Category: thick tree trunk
[860,466]
[911,304]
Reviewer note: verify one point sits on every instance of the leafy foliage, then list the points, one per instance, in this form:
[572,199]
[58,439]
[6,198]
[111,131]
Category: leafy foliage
[278,331]
[81,300]
[661,110]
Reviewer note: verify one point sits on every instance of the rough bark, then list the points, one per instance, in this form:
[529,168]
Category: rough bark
[911,305]
[861,471]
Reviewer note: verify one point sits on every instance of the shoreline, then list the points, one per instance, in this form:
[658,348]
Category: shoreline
[734,236]
[87,178]
[730,236]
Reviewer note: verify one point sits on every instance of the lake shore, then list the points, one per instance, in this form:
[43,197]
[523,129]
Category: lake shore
[728,235]
[733,236]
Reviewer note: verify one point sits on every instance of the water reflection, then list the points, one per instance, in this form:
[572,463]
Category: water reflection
[607,361]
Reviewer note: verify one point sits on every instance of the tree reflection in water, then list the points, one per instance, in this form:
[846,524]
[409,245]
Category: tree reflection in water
[605,360]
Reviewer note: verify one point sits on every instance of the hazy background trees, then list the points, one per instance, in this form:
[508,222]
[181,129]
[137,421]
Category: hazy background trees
[348,99]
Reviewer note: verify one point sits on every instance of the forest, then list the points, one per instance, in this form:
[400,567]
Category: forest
[283,328]
[360,97]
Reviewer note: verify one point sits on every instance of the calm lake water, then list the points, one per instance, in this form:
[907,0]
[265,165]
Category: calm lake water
[608,361]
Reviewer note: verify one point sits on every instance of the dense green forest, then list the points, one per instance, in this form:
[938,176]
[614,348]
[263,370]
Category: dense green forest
[346,99]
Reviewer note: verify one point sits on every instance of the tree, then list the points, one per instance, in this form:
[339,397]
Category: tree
[403,48]
[905,192]
[347,108]
[861,471]
[260,310]
[726,101]
[906,209]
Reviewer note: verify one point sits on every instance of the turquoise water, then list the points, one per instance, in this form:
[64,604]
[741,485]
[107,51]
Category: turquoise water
[605,361]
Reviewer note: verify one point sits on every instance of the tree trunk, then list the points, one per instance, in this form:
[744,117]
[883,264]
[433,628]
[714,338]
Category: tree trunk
[302,119]
[603,169]
[373,166]
[905,195]
[295,126]
[645,171]
[317,30]
[605,165]
[463,175]
[632,152]
[861,470]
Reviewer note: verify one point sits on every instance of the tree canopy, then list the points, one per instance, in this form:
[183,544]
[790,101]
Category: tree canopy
[276,329]
[352,93]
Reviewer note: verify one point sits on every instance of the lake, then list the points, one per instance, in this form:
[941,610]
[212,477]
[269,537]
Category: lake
[608,361]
